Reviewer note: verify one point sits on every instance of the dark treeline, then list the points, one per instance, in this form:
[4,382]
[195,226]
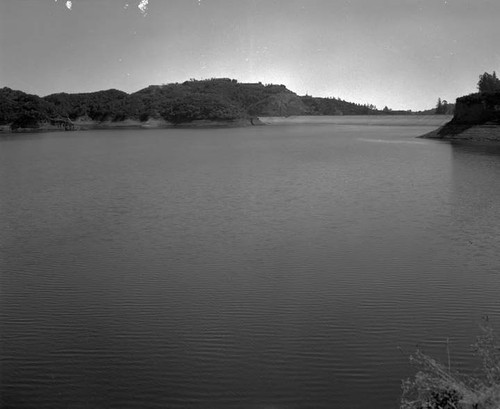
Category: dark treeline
[482,106]
[488,82]
[444,108]
[488,95]
[215,99]
[334,106]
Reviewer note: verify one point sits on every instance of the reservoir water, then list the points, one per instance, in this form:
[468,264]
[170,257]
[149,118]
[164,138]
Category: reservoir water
[285,266]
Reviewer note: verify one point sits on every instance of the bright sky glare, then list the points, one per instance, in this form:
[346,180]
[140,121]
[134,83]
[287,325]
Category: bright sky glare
[400,53]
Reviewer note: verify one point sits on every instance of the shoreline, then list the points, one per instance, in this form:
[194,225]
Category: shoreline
[86,125]
[476,118]
[486,132]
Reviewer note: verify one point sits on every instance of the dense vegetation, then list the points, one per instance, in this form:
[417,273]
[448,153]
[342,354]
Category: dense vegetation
[444,108]
[334,106]
[215,99]
[489,99]
[478,108]
[98,106]
[488,83]
[23,110]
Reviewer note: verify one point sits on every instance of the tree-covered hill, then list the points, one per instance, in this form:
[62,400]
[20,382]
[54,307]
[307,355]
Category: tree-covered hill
[99,106]
[22,110]
[214,99]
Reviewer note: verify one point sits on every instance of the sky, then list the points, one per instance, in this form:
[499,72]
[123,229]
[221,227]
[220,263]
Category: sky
[404,54]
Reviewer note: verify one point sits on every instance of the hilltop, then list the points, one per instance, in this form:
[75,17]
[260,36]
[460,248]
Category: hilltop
[218,100]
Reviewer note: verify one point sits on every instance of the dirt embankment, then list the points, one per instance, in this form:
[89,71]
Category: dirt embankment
[476,118]
[82,124]
[481,132]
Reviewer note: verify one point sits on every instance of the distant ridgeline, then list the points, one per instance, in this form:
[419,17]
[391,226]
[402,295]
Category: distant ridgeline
[219,99]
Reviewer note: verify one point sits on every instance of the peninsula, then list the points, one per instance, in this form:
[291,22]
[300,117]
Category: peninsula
[476,116]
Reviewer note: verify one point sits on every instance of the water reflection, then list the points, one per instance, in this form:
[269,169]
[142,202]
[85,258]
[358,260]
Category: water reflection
[224,268]
[475,194]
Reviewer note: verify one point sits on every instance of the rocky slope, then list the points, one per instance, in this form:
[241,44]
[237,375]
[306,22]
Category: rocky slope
[476,118]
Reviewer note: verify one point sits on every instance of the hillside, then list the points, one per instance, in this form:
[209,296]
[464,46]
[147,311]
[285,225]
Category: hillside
[219,99]
[20,110]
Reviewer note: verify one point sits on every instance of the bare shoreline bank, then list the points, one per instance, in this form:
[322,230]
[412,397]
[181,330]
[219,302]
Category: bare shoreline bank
[84,125]
[487,132]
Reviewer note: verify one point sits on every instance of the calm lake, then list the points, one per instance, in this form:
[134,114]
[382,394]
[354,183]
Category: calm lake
[295,265]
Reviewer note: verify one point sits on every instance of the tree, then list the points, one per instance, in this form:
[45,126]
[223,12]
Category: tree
[488,82]
[442,107]
[439,107]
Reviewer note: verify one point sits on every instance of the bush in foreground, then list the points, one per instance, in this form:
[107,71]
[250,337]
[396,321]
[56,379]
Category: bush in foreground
[436,386]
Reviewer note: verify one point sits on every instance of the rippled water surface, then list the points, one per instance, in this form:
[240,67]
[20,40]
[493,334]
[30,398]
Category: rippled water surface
[262,267]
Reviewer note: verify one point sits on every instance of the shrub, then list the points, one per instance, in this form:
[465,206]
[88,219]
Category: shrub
[436,386]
